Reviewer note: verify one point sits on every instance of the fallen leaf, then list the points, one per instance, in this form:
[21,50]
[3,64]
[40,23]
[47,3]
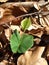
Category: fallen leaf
[32,57]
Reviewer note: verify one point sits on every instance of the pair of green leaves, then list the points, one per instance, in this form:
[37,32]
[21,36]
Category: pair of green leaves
[22,43]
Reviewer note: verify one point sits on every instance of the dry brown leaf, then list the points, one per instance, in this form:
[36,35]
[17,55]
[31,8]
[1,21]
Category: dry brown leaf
[32,57]
[37,32]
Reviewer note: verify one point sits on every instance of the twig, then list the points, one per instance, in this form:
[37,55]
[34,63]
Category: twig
[35,13]
[29,14]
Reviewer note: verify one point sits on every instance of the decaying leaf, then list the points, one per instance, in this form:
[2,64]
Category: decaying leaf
[32,57]
[36,30]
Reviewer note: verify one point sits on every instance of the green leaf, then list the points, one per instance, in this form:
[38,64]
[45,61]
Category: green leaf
[15,41]
[27,42]
[22,43]
[25,23]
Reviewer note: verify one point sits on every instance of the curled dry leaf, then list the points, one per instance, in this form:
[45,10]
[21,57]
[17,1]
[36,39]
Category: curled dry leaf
[36,30]
[32,57]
